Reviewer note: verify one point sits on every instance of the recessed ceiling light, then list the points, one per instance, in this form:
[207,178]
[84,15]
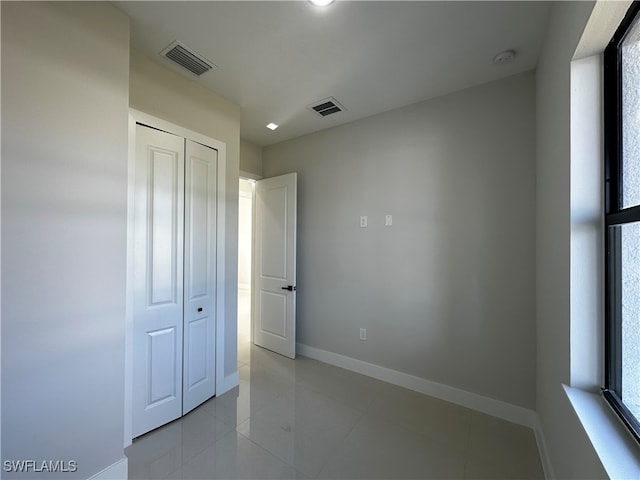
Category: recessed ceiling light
[321,3]
[272,126]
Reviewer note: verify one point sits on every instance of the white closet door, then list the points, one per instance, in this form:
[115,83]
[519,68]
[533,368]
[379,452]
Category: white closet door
[158,279]
[199,275]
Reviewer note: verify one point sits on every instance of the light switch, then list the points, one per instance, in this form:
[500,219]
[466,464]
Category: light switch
[363,221]
[388,220]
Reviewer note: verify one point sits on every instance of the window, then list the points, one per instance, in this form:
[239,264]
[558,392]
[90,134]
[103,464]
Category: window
[622,219]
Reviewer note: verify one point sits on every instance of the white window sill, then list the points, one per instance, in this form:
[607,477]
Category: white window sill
[617,449]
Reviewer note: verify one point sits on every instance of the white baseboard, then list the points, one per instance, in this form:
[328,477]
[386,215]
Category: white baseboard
[490,406]
[545,459]
[117,471]
[497,408]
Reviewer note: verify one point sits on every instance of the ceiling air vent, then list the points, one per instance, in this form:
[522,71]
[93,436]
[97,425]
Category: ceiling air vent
[186,58]
[328,106]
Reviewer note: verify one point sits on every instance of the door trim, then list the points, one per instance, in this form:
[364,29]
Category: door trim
[252,177]
[222,384]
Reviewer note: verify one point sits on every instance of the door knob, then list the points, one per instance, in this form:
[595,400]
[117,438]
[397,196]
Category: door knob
[291,288]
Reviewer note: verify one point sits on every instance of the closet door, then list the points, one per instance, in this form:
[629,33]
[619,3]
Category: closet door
[199,275]
[158,279]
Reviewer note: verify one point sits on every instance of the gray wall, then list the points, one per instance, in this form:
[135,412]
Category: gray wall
[447,292]
[250,158]
[65,75]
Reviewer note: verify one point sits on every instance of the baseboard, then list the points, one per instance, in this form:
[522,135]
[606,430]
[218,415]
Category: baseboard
[545,459]
[490,406]
[117,471]
[497,408]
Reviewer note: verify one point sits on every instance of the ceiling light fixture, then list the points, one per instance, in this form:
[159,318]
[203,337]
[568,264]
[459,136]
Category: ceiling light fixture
[272,126]
[321,3]
[505,57]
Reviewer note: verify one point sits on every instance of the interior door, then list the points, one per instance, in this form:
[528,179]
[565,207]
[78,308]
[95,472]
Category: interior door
[199,275]
[157,279]
[275,264]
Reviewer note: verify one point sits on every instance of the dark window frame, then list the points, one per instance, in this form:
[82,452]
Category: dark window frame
[615,215]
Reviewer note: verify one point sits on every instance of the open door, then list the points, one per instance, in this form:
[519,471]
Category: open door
[275,264]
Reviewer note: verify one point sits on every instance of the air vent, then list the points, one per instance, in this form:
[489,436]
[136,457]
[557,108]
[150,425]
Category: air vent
[186,58]
[325,107]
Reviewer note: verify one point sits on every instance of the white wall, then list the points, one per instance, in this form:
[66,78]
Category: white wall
[446,293]
[196,108]
[567,445]
[570,241]
[65,74]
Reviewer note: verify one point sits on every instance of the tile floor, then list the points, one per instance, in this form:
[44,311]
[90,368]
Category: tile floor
[305,419]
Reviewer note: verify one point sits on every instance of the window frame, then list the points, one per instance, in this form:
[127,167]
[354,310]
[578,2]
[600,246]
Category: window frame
[615,215]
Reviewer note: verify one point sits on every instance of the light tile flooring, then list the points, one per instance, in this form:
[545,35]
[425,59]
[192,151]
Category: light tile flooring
[306,419]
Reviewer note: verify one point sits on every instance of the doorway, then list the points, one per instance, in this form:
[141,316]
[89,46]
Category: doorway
[245,268]
[181,267]
[267,211]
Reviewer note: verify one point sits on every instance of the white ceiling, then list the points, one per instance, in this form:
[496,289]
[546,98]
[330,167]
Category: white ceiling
[276,58]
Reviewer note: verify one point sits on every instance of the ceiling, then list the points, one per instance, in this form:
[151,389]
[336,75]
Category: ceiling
[274,59]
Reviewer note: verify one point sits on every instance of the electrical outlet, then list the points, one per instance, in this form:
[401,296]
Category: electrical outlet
[363,334]
[388,220]
[363,221]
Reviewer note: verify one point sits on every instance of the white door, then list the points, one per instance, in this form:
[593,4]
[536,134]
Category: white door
[275,264]
[157,279]
[199,275]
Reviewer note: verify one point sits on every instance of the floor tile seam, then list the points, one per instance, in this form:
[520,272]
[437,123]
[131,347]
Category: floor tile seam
[268,452]
[274,399]
[268,377]
[251,412]
[333,453]
[337,400]
[378,397]
[280,458]
[425,437]
[182,461]
[418,431]
[176,470]
[327,397]
[264,406]
[228,422]
[342,436]
[206,446]
[185,462]
[466,414]
[206,410]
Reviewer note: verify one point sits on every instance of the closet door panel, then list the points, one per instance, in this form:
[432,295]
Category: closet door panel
[158,279]
[200,274]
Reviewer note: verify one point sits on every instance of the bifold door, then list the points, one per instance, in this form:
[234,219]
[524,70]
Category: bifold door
[199,275]
[174,277]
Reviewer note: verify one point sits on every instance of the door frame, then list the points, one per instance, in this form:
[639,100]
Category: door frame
[135,117]
[252,177]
